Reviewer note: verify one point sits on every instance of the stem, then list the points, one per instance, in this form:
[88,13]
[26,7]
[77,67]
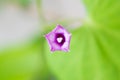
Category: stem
[40,12]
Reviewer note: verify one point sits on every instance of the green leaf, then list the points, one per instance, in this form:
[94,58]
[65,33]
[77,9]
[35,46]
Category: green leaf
[95,47]
[104,11]
[91,57]
[21,63]
[24,3]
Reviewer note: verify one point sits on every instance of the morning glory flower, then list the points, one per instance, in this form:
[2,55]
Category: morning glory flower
[59,39]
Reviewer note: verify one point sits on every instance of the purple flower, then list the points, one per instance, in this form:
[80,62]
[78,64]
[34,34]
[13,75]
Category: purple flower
[59,39]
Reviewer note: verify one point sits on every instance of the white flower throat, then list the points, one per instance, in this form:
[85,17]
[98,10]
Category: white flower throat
[59,40]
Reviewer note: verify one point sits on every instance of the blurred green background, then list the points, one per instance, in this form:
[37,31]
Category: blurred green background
[94,49]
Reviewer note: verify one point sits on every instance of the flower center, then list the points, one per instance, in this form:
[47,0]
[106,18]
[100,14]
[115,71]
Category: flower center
[60,39]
